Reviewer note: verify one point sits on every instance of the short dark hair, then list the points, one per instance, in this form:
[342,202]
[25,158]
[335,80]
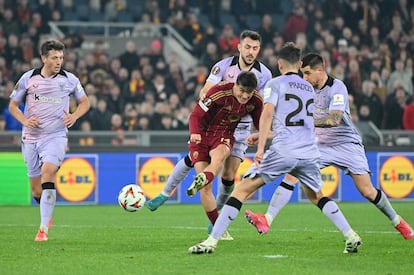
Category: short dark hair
[290,53]
[312,60]
[247,81]
[50,45]
[250,34]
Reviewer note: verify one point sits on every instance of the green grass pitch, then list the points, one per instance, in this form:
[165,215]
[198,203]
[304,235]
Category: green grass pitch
[109,240]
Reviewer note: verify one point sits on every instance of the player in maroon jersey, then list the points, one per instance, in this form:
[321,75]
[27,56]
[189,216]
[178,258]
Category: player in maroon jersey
[212,125]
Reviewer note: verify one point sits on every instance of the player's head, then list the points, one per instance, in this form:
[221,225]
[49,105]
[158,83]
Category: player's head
[249,46]
[289,57]
[245,86]
[313,70]
[51,53]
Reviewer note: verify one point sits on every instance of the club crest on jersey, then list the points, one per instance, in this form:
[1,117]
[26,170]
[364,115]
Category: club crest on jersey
[62,85]
[233,117]
[215,70]
[250,107]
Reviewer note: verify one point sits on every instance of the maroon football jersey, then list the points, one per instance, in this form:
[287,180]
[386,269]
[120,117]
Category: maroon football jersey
[220,112]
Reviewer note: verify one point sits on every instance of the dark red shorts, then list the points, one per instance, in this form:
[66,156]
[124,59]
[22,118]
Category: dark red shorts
[201,151]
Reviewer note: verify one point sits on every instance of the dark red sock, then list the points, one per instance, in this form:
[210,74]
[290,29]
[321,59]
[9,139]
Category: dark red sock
[209,176]
[212,216]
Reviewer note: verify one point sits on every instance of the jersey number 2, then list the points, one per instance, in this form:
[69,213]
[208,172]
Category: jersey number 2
[300,122]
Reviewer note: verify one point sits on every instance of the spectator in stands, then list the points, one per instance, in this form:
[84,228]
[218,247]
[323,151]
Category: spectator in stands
[9,23]
[161,109]
[162,91]
[337,27]
[40,23]
[157,14]
[302,42]
[374,38]
[24,14]
[402,75]
[182,115]
[380,88]
[266,30]
[175,80]
[114,67]
[134,90]
[148,76]
[117,126]
[110,11]
[130,116]
[353,78]
[130,58]
[228,41]
[370,102]
[209,36]
[144,27]
[156,57]
[394,109]
[13,51]
[295,23]
[341,53]
[122,79]
[100,117]
[211,55]
[115,101]
[143,123]
[408,114]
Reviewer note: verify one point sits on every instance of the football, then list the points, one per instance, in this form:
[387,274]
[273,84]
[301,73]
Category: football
[131,198]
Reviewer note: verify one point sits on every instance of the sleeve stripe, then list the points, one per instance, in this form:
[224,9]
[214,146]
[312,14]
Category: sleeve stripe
[202,106]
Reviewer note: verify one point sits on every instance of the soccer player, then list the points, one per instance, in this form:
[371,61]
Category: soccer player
[46,119]
[339,144]
[227,69]
[212,125]
[288,101]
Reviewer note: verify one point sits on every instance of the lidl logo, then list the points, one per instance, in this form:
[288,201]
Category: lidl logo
[243,168]
[397,177]
[153,175]
[75,180]
[330,178]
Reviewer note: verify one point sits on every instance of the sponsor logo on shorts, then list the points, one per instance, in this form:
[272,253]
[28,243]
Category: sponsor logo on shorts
[76,179]
[397,177]
[153,175]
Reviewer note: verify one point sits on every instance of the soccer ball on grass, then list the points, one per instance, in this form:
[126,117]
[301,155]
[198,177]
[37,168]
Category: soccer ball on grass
[131,197]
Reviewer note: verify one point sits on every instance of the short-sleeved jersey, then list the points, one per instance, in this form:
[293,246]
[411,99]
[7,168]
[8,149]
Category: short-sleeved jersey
[46,98]
[228,69]
[220,112]
[293,126]
[334,96]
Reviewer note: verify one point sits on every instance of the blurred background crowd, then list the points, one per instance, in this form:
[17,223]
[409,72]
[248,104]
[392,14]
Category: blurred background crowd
[369,44]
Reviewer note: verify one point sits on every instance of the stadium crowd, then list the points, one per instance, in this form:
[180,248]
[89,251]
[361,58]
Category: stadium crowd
[369,44]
